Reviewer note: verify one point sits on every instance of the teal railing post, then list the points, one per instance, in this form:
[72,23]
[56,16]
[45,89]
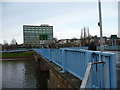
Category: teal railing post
[94,73]
[63,61]
[89,59]
[113,82]
[49,55]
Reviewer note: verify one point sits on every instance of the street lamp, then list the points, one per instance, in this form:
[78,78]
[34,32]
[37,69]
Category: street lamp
[100,25]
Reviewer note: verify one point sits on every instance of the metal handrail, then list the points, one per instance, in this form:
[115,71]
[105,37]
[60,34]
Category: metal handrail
[71,60]
[86,77]
[87,74]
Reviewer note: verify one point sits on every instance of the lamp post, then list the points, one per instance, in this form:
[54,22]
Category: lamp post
[100,25]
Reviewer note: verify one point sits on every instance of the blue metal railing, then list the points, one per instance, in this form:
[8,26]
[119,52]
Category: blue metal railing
[106,48]
[76,62]
[86,83]
[98,76]
[78,48]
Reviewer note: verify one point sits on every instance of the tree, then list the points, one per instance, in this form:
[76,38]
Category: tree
[55,40]
[85,36]
[88,36]
[5,45]
[13,42]
[5,42]
[81,37]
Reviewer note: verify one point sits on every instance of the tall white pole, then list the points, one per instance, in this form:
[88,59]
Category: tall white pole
[100,24]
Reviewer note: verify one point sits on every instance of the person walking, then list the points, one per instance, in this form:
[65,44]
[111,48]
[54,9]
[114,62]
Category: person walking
[92,46]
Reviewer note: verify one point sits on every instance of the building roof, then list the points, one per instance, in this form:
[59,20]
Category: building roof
[42,25]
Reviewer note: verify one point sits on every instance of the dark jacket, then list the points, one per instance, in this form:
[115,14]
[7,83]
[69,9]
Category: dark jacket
[92,46]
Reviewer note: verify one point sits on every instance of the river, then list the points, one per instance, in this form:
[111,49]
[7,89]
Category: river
[21,74]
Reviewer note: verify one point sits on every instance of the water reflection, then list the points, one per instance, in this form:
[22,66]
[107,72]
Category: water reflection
[19,74]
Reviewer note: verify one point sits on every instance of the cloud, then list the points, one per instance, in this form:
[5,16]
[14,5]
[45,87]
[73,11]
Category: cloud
[68,35]
[57,0]
[67,23]
[72,17]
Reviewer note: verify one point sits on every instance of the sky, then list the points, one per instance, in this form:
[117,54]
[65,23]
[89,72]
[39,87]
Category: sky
[67,18]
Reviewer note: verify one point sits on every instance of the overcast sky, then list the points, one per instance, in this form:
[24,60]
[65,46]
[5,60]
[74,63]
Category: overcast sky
[67,18]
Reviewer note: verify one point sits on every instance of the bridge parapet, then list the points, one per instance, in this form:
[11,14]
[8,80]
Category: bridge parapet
[76,62]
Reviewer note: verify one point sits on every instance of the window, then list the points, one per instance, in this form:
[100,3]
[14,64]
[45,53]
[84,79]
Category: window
[29,29]
[51,27]
[48,27]
[40,27]
[25,29]
[36,32]
[43,27]
[32,31]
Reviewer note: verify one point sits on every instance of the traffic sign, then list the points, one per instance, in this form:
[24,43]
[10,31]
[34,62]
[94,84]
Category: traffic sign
[43,37]
[113,36]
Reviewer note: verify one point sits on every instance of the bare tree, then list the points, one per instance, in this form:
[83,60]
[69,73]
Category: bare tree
[13,42]
[88,36]
[5,45]
[85,36]
[84,32]
[5,42]
[81,37]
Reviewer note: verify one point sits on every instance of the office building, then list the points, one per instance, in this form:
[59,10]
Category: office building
[37,35]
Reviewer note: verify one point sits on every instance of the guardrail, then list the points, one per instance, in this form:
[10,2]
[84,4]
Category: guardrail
[110,48]
[106,48]
[90,72]
[76,62]
[87,77]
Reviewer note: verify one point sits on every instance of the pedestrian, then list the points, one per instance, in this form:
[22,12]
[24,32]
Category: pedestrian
[92,46]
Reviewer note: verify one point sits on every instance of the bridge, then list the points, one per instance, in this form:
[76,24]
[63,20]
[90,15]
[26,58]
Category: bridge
[95,69]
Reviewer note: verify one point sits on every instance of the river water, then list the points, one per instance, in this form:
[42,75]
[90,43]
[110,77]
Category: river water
[20,74]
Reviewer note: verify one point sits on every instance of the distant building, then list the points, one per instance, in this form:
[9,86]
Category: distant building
[63,41]
[37,35]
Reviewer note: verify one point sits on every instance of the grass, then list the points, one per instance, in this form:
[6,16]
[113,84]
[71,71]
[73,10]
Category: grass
[20,54]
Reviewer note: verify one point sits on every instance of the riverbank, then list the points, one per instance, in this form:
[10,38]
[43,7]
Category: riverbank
[6,59]
[17,55]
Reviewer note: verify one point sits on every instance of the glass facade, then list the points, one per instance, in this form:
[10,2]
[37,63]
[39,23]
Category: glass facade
[32,34]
